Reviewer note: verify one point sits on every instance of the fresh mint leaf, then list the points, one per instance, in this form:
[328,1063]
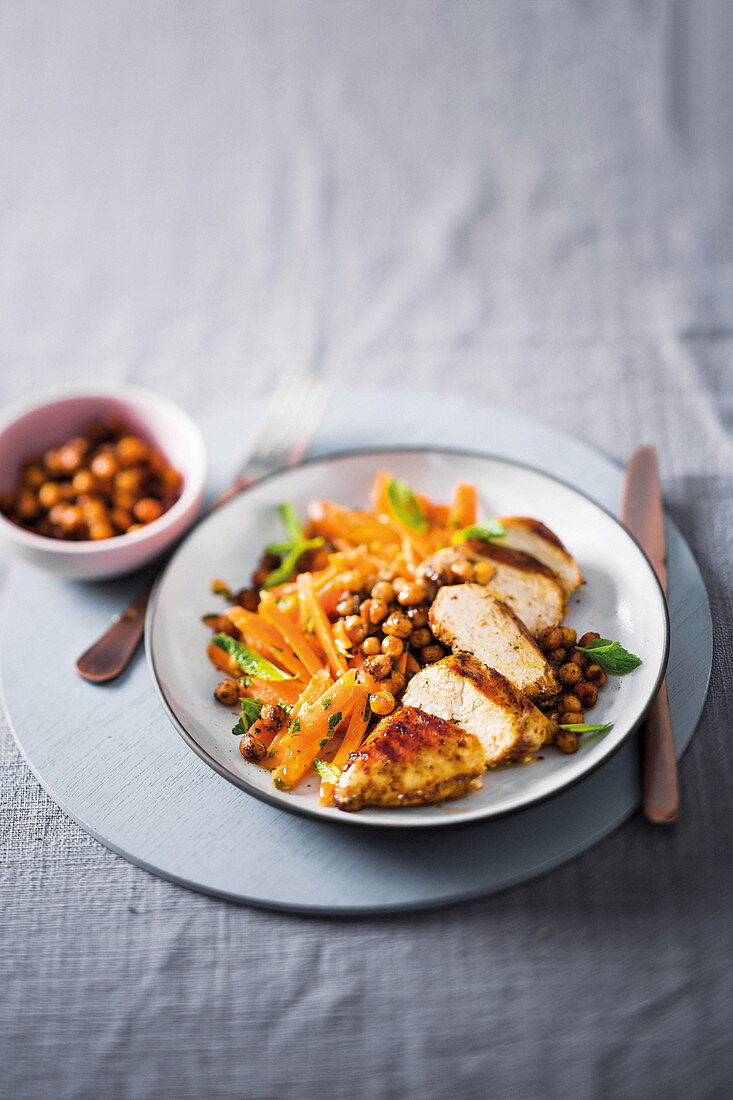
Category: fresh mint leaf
[484,531]
[289,564]
[584,727]
[250,713]
[611,656]
[249,661]
[327,772]
[405,507]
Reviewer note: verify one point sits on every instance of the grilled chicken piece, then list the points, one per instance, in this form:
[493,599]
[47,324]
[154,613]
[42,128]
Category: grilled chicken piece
[410,758]
[482,702]
[532,537]
[469,619]
[532,590]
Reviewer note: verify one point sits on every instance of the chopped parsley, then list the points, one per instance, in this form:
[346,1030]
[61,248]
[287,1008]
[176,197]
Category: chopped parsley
[250,713]
[334,720]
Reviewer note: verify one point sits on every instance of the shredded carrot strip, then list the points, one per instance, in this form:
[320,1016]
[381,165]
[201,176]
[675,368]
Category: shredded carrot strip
[317,723]
[411,664]
[464,506]
[221,660]
[292,634]
[321,625]
[275,691]
[262,636]
[316,687]
[352,738]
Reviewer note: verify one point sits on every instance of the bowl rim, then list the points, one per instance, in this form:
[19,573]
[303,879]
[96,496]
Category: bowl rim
[193,484]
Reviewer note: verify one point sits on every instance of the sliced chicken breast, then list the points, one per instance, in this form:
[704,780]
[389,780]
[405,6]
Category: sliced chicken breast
[532,537]
[469,619]
[482,702]
[530,588]
[410,758]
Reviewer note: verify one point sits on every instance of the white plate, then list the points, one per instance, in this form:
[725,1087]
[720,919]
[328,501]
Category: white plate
[622,600]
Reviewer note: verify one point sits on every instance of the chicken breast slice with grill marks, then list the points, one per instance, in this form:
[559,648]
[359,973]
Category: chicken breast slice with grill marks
[533,537]
[410,758]
[469,619]
[481,701]
[530,588]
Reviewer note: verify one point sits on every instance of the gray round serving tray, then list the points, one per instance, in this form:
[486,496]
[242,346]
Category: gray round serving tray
[112,761]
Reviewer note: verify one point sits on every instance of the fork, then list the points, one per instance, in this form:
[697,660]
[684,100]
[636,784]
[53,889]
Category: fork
[289,423]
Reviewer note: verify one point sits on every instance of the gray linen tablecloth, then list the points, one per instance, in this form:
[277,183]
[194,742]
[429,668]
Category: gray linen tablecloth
[530,202]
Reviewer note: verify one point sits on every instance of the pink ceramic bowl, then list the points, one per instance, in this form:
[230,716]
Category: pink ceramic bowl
[47,420]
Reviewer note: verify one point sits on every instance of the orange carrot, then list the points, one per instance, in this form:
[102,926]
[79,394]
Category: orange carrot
[333,521]
[463,508]
[221,660]
[263,637]
[275,691]
[378,493]
[352,738]
[292,634]
[316,687]
[411,664]
[316,724]
[314,612]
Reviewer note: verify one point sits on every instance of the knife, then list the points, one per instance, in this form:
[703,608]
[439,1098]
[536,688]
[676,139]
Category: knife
[641,514]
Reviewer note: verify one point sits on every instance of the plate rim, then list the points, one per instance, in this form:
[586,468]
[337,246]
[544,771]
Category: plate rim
[353,819]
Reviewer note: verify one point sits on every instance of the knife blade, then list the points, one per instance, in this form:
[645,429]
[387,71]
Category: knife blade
[642,515]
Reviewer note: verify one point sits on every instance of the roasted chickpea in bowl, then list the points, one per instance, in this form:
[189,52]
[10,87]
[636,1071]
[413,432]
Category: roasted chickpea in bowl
[97,482]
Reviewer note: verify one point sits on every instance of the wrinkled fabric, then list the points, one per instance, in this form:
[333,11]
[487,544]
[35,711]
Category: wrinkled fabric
[529,203]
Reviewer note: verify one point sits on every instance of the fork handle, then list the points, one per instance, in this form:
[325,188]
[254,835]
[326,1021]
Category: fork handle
[661,791]
[111,654]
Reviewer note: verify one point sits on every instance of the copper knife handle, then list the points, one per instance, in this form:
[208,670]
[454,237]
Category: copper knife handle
[642,514]
[660,787]
[111,654]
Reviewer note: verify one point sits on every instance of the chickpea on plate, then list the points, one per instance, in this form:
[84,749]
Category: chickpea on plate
[401,651]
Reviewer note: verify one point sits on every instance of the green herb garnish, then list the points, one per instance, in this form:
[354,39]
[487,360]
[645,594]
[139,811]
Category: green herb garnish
[405,507]
[334,720]
[327,772]
[291,550]
[326,703]
[484,531]
[249,661]
[584,727]
[295,726]
[250,713]
[277,782]
[611,656]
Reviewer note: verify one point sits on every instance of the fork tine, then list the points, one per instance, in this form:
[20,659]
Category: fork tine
[291,417]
